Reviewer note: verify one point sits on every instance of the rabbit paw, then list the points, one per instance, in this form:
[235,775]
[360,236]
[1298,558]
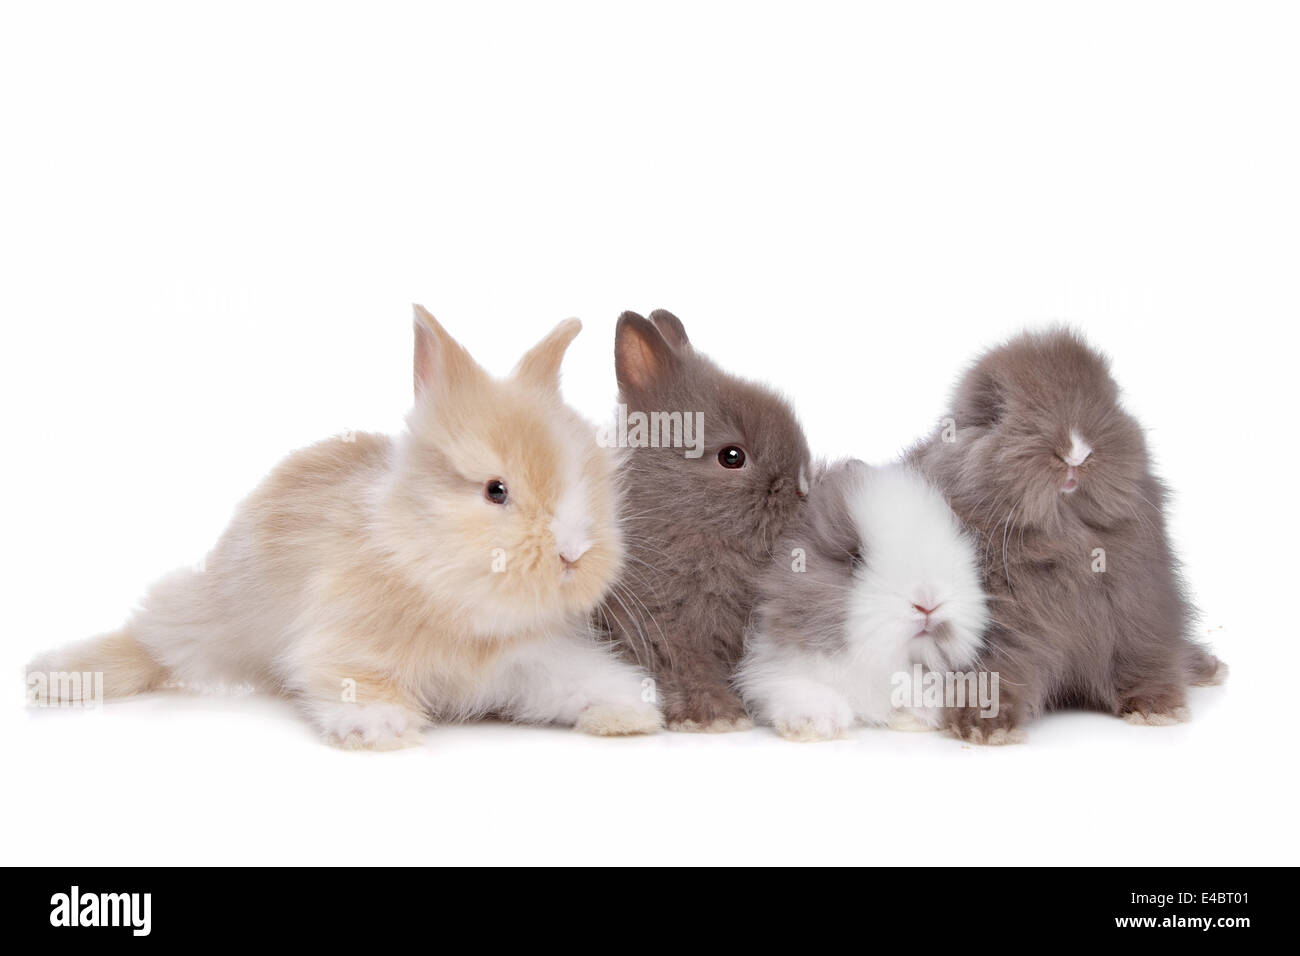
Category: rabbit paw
[1167,718]
[969,726]
[994,736]
[719,725]
[1156,708]
[371,727]
[708,711]
[808,728]
[911,722]
[618,721]
[824,721]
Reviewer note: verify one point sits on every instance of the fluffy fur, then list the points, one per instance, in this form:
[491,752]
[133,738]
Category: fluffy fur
[374,582]
[1047,468]
[877,577]
[699,534]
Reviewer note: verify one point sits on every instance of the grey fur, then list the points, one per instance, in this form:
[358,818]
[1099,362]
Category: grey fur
[813,613]
[698,534]
[1064,634]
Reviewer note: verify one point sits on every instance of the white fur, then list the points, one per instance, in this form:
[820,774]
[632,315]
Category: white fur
[916,553]
[572,523]
[563,679]
[368,726]
[1079,450]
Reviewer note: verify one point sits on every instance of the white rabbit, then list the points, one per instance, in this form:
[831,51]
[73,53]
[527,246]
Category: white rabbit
[879,577]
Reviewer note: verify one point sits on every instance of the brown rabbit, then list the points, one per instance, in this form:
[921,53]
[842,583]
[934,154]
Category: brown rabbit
[1087,604]
[700,522]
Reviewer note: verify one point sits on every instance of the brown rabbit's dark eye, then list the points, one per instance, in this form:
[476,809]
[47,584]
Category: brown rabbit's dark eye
[733,456]
[495,491]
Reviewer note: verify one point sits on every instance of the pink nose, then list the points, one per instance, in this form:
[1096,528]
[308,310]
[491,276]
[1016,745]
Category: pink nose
[927,611]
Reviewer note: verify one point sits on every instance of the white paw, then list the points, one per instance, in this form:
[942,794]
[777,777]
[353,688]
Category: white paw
[605,720]
[1179,715]
[910,721]
[371,727]
[808,724]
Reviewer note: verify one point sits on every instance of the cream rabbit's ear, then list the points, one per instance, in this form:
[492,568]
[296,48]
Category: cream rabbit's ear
[440,360]
[541,364]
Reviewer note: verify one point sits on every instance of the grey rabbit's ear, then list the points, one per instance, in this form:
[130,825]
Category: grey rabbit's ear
[830,525]
[671,328]
[979,399]
[642,356]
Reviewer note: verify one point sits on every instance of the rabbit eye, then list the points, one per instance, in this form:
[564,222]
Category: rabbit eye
[733,456]
[495,491]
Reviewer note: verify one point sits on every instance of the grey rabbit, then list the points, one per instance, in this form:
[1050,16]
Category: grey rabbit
[1089,610]
[700,522]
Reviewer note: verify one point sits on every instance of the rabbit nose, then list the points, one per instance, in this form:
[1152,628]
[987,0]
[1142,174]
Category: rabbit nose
[927,611]
[570,554]
[1079,451]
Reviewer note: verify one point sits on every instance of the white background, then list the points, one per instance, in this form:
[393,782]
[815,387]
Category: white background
[215,218]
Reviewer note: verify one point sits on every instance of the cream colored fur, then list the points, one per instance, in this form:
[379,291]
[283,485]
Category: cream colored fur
[373,582]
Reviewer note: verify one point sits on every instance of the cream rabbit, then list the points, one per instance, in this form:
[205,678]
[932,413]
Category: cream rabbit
[386,583]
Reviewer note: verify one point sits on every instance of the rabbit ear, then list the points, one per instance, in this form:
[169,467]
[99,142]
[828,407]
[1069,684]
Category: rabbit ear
[541,364]
[671,328]
[980,399]
[642,356]
[439,359]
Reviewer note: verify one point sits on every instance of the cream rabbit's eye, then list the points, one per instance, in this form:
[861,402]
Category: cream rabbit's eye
[495,491]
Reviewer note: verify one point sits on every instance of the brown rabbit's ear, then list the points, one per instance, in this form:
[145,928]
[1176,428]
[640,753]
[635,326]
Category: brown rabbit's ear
[541,364]
[642,356]
[439,359]
[671,328]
